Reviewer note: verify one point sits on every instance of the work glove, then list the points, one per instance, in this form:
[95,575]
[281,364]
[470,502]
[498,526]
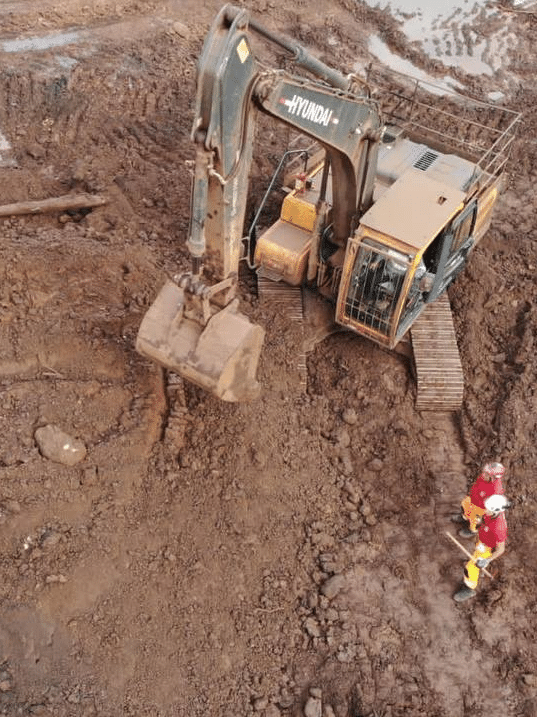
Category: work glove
[482,562]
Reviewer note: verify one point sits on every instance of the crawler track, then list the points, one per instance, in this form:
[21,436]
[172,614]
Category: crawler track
[436,357]
[289,298]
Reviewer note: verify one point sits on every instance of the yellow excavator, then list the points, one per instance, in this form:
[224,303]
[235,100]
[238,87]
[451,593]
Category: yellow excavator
[380,226]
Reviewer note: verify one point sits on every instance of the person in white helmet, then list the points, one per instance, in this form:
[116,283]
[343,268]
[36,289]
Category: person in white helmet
[488,482]
[492,535]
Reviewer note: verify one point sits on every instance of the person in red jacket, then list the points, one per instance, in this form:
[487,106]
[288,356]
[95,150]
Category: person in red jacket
[492,535]
[489,482]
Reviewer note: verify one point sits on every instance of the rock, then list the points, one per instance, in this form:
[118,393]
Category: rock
[272,711]
[312,627]
[530,679]
[12,506]
[346,463]
[375,465]
[328,711]
[58,446]
[323,540]
[496,96]
[51,540]
[55,579]
[354,493]
[5,686]
[330,565]
[36,151]
[316,692]
[342,438]
[313,708]
[180,29]
[350,416]
[90,476]
[286,699]
[260,704]
[389,383]
[333,586]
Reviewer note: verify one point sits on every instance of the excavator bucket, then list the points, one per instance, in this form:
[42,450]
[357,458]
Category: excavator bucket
[221,356]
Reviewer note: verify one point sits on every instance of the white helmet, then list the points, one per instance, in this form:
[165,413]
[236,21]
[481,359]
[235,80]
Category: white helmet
[496,504]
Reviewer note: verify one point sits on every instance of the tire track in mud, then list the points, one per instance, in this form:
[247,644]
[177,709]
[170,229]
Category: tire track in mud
[101,81]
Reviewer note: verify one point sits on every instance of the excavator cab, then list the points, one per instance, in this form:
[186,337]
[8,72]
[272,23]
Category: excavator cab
[400,260]
[380,291]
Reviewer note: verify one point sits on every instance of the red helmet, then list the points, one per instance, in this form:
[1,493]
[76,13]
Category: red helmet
[496,470]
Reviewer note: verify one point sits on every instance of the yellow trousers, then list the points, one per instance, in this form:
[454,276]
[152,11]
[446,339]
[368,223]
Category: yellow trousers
[471,571]
[472,513]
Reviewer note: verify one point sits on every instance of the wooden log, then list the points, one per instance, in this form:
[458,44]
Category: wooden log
[54,204]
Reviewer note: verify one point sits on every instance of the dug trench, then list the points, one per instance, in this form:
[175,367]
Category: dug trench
[282,557]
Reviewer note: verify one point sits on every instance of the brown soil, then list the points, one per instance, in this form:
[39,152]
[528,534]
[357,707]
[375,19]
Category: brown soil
[283,557]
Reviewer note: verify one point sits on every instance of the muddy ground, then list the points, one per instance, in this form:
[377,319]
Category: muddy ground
[285,557]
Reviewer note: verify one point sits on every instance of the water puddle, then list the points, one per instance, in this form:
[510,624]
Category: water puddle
[66,62]
[6,159]
[388,58]
[453,33]
[45,42]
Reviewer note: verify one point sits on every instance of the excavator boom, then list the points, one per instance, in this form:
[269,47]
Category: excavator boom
[213,344]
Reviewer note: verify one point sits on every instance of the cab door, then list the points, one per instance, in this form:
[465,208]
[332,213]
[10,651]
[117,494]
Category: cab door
[453,248]
[371,292]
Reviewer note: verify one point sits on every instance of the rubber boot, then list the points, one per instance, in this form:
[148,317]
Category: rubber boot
[467,533]
[463,594]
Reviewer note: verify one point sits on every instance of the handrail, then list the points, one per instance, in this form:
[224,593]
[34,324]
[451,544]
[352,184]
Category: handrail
[250,236]
[412,104]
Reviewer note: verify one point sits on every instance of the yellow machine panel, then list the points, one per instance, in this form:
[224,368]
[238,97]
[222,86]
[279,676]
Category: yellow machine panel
[282,252]
[484,212]
[414,209]
[298,211]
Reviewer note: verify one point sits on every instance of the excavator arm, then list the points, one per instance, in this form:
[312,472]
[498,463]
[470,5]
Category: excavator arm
[195,328]
[231,87]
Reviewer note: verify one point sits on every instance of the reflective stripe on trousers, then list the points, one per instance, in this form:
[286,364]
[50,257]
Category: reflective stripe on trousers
[471,571]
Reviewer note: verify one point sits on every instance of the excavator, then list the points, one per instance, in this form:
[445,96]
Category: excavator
[379,225]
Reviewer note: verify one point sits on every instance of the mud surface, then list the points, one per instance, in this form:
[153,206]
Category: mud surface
[285,557]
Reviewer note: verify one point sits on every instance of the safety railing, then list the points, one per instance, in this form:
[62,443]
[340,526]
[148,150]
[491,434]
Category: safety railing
[448,121]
